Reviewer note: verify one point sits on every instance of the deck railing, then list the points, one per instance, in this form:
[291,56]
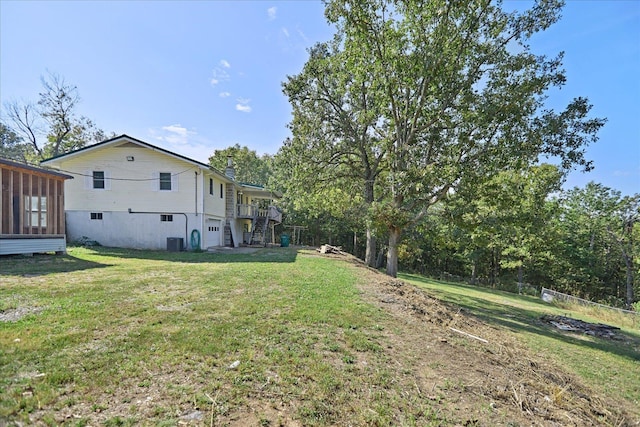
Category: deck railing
[249,211]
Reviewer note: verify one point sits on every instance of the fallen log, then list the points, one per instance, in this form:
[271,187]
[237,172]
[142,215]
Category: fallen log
[328,249]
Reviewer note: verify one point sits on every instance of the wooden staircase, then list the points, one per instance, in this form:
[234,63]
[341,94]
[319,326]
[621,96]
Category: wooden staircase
[228,237]
[259,230]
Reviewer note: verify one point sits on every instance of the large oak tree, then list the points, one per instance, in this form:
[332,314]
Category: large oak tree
[460,97]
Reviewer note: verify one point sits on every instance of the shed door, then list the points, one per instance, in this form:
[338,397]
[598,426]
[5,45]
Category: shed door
[213,233]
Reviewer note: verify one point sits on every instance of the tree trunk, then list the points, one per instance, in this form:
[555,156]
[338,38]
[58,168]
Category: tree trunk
[392,254]
[520,278]
[380,258]
[628,262]
[355,244]
[474,272]
[370,253]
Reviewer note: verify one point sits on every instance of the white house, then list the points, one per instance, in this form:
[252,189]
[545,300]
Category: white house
[129,193]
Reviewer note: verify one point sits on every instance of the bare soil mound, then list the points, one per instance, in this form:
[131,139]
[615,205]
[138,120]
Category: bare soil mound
[480,374]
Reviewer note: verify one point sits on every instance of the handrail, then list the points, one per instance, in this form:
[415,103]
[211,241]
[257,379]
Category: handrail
[251,211]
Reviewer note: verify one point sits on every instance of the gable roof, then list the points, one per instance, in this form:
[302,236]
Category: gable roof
[125,137]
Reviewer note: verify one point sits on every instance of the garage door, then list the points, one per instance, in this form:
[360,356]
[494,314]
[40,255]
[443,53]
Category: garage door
[212,233]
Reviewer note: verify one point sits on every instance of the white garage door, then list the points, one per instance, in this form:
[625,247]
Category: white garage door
[212,233]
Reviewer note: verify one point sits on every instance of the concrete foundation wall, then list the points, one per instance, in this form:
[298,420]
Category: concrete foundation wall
[125,230]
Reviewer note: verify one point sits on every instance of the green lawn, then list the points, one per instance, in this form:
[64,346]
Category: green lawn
[110,329]
[116,337]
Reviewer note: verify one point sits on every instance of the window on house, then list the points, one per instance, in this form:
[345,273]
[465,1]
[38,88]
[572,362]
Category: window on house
[211,186]
[98,179]
[221,191]
[165,181]
[166,218]
[96,215]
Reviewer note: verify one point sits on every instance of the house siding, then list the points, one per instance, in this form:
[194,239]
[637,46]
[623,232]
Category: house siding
[131,185]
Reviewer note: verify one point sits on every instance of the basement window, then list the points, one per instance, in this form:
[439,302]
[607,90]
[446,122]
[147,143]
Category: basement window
[96,215]
[166,218]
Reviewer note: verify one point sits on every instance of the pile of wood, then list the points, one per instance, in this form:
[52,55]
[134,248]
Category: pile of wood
[578,326]
[328,249]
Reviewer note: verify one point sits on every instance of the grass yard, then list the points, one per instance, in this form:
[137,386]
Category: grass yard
[279,337]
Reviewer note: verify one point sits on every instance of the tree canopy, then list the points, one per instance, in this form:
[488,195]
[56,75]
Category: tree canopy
[249,167]
[51,126]
[454,95]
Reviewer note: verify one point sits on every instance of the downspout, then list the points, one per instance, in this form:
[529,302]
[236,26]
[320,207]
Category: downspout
[195,198]
[186,221]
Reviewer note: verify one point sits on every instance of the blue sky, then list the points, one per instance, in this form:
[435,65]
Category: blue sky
[195,76]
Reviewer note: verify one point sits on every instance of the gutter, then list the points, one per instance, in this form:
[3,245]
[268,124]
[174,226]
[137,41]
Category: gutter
[186,221]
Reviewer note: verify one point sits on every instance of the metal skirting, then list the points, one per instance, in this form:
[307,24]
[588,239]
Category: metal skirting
[22,245]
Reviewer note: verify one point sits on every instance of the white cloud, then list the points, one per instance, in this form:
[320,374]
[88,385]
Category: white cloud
[225,63]
[271,12]
[243,105]
[285,32]
[302,35]
[218,75]
[224,94]
[175,134]
[181,140]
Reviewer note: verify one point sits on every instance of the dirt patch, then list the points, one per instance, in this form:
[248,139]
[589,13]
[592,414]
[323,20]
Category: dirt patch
[15,314]
[480,374]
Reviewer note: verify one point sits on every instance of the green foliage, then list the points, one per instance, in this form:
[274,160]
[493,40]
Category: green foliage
[599,243]
[335,131]
[449,101]
[12,145]
[249,167]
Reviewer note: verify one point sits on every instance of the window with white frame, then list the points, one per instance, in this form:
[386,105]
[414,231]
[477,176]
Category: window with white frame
[98,180]
[165,181]
[35,208]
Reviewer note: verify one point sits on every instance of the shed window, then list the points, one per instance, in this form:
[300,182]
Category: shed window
[165,181]
[166,218]
[98,179]
[35,208]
